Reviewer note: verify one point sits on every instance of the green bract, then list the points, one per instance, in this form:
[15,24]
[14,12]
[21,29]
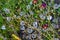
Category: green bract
[1,20]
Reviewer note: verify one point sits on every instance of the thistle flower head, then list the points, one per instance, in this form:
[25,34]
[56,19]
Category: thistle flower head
[3,27]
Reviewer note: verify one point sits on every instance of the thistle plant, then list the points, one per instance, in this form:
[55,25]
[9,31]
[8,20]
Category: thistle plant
[29,19]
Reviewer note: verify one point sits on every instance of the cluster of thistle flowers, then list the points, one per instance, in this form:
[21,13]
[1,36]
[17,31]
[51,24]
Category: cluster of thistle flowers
[50,18]
[29,33]
[43,16]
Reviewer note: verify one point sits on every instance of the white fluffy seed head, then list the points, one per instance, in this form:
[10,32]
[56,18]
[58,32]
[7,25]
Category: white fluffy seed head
[31,12]
[35,24]
[3,27]
[6,10]
[49,17]
[22,13]
[22,23]
[33,35]
[42,16]
[31,3]
[56,38]
[29,30]
[22,27]
[28,7]
[56,6]
[8,18]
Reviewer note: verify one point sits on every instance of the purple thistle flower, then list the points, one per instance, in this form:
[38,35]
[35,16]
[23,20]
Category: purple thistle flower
[44,5]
